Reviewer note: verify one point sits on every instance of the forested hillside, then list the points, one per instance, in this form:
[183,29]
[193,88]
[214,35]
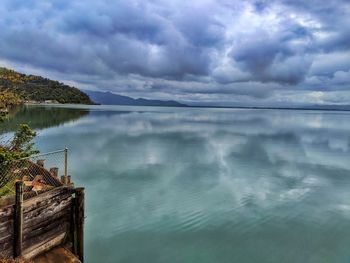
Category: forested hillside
[39,89]
[8,99]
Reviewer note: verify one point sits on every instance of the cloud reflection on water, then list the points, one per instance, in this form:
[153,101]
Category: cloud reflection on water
[170,173]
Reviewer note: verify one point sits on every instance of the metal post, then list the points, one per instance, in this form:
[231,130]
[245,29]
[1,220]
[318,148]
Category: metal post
[18,220]
[65,166]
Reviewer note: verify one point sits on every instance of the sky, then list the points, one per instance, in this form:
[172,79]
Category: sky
[223,52]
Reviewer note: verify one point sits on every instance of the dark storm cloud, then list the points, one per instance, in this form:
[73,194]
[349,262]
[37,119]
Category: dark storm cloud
[198,50]
[265,59]
[141,39]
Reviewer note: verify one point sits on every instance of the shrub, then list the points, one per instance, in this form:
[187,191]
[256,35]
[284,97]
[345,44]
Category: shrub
[21,146]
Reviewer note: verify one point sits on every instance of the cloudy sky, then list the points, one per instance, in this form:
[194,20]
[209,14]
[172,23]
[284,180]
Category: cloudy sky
[223,52]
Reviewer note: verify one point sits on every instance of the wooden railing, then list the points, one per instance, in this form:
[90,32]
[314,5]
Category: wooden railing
[33,226]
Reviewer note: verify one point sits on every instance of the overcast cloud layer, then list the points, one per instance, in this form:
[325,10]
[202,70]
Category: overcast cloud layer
[213,52]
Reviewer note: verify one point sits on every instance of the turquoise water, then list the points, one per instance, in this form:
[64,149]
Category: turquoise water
[206,185]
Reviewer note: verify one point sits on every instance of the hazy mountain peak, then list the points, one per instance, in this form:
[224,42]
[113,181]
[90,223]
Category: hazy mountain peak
[109,98]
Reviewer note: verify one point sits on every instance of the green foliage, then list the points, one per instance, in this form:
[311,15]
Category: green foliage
[39,89]
[22,142]
[7,100]
[20,146]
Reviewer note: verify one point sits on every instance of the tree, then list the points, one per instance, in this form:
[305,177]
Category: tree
[21,146]
[7,99]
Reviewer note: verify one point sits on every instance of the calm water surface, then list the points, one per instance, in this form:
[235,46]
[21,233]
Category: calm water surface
[206,185]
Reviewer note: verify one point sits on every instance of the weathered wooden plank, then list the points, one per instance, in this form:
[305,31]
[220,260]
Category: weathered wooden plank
[18,220]
[5,219]
[37,216]
[5,238]
[6,228]
[61,216]
[6,243]
[6,222]
[27,243]
[6,211]
[5,225]
[50,214]
[7,252]
[34,202]
[36,231]
[44,246]
[46,203]
[49,206]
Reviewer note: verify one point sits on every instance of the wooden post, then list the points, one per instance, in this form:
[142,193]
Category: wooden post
[73,228]
[40,163]
[79,219]
[64,180]
[54,171]
[18,220]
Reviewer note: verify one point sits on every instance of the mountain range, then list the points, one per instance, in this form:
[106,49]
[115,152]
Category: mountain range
[109,98]
[33,88]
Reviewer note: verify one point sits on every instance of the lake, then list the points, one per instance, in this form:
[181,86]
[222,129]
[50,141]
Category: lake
[204,185]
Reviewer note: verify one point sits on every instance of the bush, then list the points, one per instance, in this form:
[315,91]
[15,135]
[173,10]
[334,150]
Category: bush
[21,146]
[7,100]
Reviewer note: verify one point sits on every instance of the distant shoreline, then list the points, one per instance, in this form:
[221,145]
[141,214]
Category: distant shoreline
[197,106]
[268,108]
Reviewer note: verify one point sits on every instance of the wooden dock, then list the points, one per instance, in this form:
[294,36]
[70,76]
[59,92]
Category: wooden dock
[44,220]
[39,227]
